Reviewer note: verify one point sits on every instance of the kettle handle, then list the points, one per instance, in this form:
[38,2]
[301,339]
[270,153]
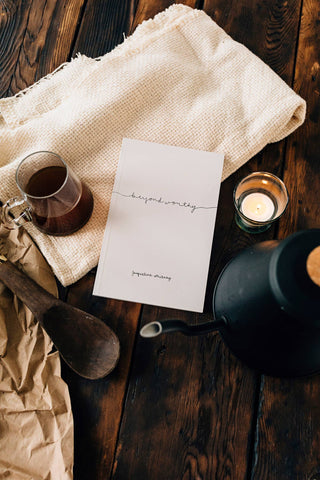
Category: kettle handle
[153,329]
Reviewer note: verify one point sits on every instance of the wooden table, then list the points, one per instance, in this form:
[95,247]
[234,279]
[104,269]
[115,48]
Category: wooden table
[178,407]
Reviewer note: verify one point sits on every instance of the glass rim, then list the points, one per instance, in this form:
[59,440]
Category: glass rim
[257,222]
[42,197]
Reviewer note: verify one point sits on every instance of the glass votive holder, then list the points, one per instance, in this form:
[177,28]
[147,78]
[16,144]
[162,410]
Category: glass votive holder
[259,199]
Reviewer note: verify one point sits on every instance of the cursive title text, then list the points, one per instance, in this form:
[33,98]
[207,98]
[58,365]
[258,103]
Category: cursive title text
[192,207]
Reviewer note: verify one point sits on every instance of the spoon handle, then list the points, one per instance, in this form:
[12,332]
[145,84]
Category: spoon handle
[36,298]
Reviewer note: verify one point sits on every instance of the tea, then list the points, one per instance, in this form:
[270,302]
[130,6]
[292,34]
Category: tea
[60,203]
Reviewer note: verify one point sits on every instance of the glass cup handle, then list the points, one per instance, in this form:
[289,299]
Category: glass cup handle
[15,219]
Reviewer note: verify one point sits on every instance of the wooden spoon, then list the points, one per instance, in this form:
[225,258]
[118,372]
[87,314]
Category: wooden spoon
[86,344]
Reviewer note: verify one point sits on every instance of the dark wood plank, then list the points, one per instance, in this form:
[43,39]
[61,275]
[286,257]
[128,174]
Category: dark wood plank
[36,38]
[189,409]
[270,30]
[13,22]
[202,420]
[39,36]
[289,414]
[103,26]
[273,28]
[97,406]
[288,437]
[302,168]
[148,9]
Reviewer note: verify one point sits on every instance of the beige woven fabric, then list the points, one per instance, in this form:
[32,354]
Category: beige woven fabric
[179,79]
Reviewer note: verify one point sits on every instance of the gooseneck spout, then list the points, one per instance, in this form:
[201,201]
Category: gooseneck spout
[153,329]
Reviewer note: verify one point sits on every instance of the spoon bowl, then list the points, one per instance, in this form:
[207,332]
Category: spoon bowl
[87,345]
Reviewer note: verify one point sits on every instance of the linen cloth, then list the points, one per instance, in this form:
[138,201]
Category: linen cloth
[179,79]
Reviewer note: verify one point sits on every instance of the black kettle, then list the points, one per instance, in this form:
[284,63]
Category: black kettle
[266,306]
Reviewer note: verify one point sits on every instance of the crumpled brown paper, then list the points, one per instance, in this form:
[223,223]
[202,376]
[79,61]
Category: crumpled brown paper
[36,424]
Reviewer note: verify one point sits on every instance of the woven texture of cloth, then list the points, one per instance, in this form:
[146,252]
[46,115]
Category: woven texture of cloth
[179,79]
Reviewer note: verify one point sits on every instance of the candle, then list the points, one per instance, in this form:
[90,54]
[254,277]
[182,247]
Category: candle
[259,200]
[257,206]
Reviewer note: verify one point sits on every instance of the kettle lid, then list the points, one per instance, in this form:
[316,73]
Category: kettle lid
[295,285]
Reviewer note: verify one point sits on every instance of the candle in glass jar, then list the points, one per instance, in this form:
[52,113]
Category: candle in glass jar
[258,207]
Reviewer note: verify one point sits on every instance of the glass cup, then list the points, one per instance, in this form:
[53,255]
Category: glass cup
[55,200]
[259,199]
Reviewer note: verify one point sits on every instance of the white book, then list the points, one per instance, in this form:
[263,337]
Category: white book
[158,238]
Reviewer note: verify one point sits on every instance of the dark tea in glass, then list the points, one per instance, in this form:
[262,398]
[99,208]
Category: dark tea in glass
[58,202]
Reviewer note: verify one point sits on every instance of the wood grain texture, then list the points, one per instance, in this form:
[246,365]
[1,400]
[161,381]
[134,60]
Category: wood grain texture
[190,409]
[188,400]
[98,405]
[289,414]
[302,167]
[176,367]
[13,22]
[288,439]
[269,29]
[36,39]
[148,9]
[103,26]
